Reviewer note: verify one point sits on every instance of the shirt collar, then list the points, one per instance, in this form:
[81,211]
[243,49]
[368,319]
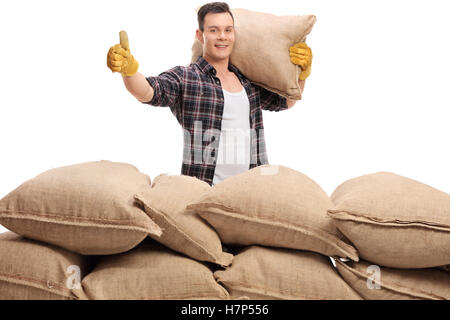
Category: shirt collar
[205,67]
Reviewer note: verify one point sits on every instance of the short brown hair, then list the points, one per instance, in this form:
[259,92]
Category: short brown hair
[212,7]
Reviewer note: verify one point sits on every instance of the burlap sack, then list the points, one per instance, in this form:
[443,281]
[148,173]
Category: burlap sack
[445,268]
[273,206]
[32,270]
[184,231]
[394,221]
[272,273]
[151,272]
[87,208]
[261,49]
[395,284]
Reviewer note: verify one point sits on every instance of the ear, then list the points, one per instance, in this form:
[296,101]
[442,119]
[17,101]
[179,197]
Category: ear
[199,35]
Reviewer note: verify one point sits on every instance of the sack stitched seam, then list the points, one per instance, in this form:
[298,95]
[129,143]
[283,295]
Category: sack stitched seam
[390,283]
[17,213]
[209,255]
[174,297]
[328,238]
[58,285]
[380,221]
[269,290]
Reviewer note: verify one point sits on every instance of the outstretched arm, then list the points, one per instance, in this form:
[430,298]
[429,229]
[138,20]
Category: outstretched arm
[139,87]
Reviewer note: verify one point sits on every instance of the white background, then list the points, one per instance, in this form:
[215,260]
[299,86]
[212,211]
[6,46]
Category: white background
[377,98]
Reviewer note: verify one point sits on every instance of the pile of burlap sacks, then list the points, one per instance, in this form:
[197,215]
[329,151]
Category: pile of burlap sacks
[104,230]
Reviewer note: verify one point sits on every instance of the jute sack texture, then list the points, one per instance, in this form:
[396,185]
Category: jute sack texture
[394,221]
[151,271]
[261,49]
[259,273]
[273,206]
[184,231]
[395,284]
[32,270]
[86,208]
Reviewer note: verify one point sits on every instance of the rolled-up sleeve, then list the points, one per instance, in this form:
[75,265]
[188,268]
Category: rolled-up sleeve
[167,89]
[271,101]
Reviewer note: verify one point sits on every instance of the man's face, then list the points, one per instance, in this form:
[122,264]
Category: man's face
[218,30]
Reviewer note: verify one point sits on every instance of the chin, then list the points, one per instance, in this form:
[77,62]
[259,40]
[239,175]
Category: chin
[219,57]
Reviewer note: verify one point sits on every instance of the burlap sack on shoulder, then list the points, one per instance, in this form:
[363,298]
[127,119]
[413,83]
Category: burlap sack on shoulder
[275,273]
[151,272]
[445,268]
[261,49]
[273,206]
[184,231]
[381,283]
[32,270]
[87,208]
[394,221]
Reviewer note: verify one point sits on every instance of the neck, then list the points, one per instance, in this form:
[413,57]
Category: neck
[221,65]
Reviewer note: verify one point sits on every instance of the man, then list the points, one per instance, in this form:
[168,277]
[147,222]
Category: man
[211,99]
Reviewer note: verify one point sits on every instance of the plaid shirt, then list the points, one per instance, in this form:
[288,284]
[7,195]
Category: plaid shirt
[195,97]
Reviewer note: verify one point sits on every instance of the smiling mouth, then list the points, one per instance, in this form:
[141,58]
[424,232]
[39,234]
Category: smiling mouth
[221,46]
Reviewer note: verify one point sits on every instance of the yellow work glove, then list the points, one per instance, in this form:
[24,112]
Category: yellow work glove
[119,58]
[301,55]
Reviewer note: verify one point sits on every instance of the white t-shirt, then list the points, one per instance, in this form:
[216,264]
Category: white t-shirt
[234,143]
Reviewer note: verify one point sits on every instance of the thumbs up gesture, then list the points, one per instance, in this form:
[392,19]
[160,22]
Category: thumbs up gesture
[119,58]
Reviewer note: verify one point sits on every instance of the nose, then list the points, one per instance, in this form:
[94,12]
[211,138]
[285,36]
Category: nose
[222,35]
